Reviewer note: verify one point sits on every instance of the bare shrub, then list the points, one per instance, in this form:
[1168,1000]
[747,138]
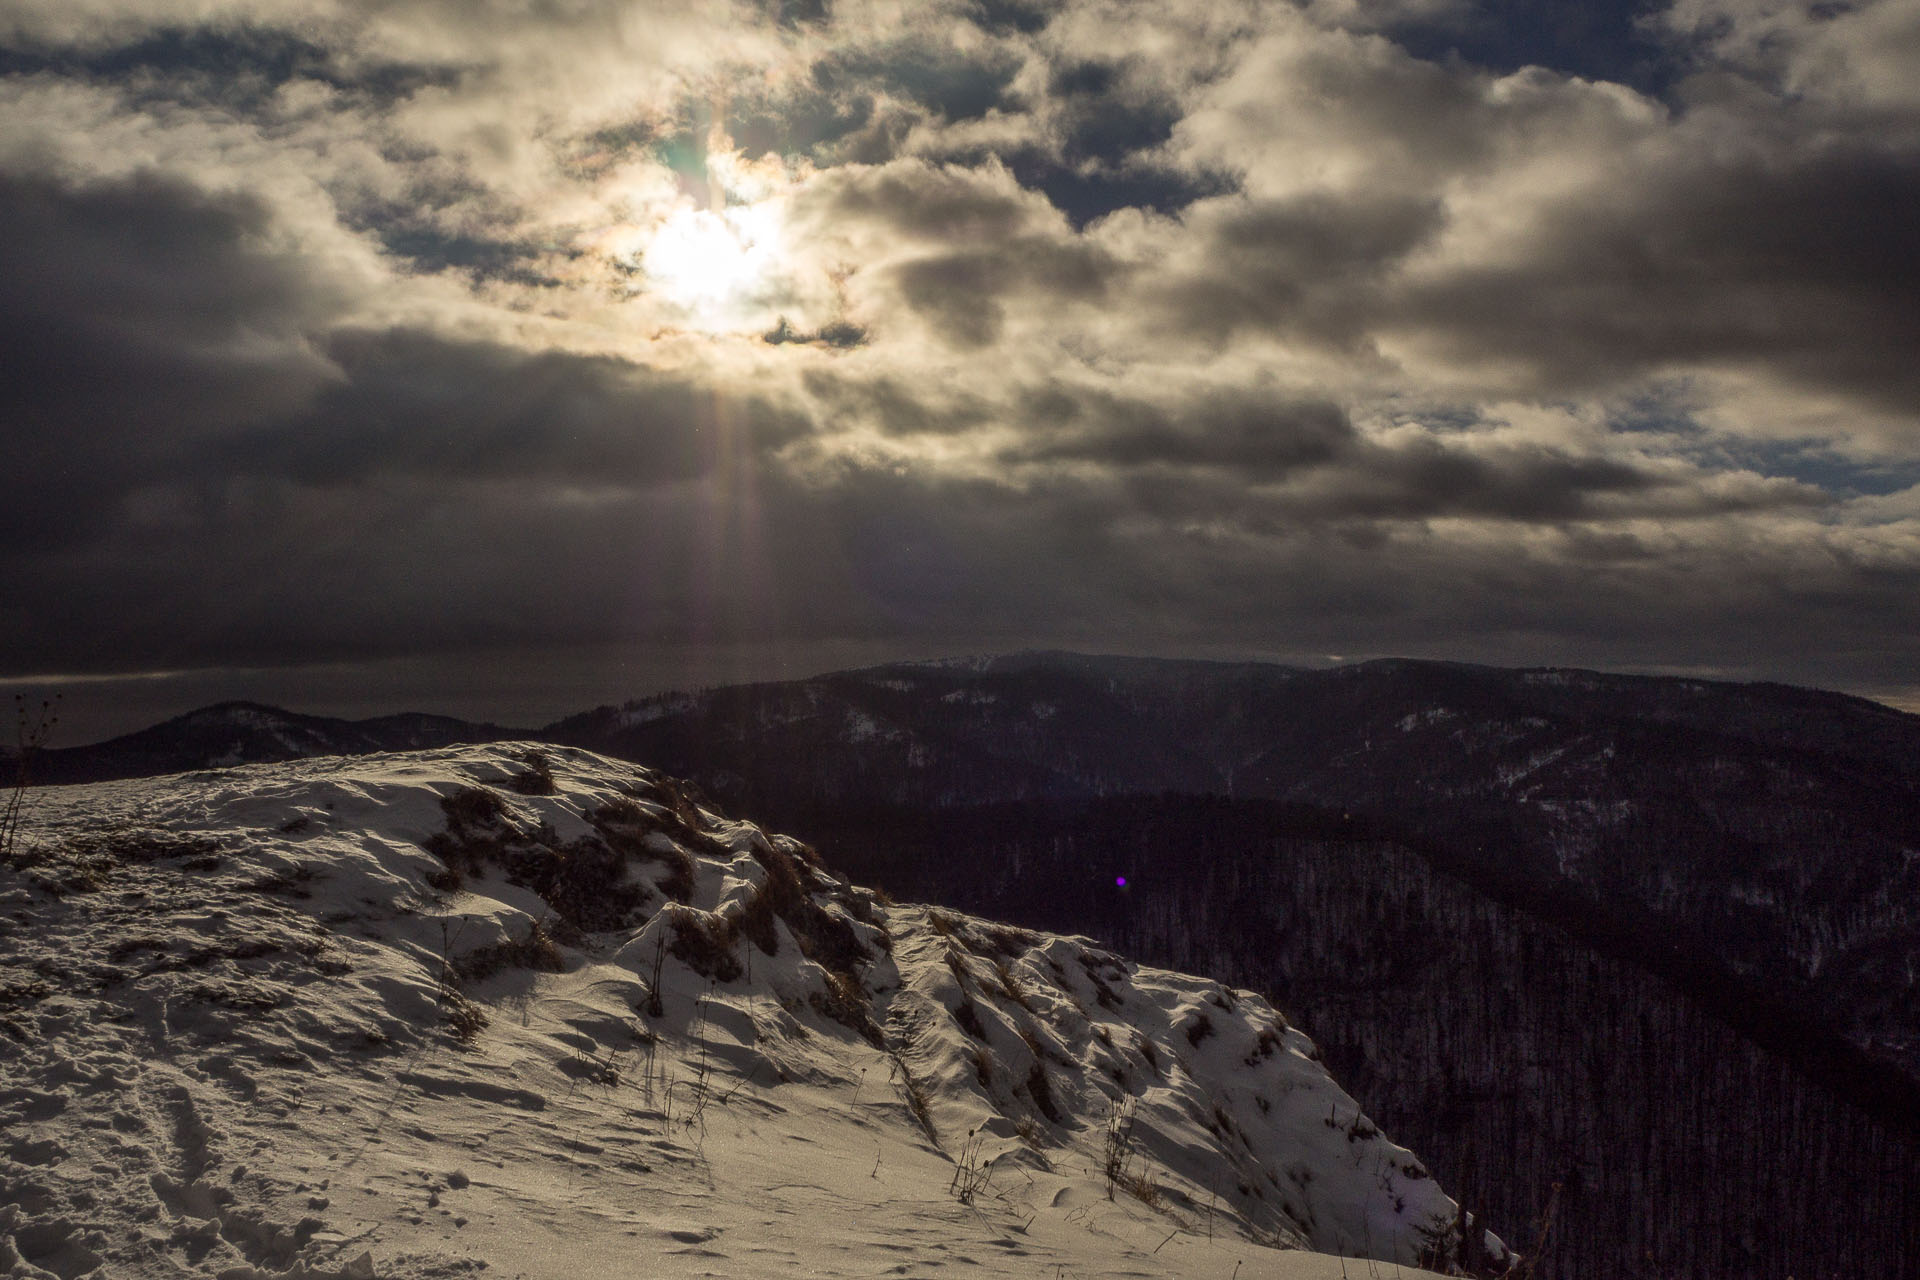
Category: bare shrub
[1006,941]
[1268,1042]
[465,1019]
[971,1174]
[536,951]
[680,801]
[1116,1152]
[845,1001]
[756,922]
[968,1017]
[473,807]
[626,828]
[1014,989]
[1040,1089]
[537,779]
[32,729]
[585,881]
[704,943]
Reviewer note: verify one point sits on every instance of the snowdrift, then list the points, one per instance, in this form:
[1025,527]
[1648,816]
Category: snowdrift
[521,1011]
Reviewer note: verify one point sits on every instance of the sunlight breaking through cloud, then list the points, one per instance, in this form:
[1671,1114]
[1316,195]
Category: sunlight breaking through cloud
[712,264]
[1205,324]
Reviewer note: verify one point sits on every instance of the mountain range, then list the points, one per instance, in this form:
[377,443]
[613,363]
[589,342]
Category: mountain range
[1720,878]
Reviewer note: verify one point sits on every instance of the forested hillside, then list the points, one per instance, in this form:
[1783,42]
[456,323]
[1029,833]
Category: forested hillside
[1516,1054]
[1774,829]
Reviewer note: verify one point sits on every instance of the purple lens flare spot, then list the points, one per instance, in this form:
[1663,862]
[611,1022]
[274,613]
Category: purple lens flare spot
[1120,881]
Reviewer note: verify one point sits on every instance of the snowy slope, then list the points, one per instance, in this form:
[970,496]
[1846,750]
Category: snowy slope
[471,1010]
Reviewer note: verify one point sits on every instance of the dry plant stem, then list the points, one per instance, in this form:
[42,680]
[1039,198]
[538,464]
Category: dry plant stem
[31,730]
[970,1173]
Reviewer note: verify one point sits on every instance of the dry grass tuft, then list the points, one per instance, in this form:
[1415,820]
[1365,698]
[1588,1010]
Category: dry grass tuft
[536,951]
[704,943]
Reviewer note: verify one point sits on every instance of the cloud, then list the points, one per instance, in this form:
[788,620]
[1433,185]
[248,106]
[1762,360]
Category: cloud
[1853,60]
[421,405]
[1244,433]
[1800,267]
[143,317]
[349,333]
[1309,267]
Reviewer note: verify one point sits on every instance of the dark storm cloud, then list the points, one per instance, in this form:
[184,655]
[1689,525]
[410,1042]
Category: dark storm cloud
[421,405]
[235,68]
[433,249]
[245,568]
[1306,266]
[140,316]
[944,205]
[268,571]
[800,13]
[1320,235]
[1427,478]
[1260,438]
[964,295]
[989,244]
[187,427]
[1074,554]
[889,405]
[1221,456]
[1809,264]
[1086,193]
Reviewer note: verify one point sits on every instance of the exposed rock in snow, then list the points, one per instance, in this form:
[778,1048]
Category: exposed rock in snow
[484,1008]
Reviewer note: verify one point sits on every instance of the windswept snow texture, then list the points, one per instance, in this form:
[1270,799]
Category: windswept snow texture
[482,1009]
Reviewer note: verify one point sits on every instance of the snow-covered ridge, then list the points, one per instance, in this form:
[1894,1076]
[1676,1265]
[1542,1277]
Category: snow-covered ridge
[427,1013]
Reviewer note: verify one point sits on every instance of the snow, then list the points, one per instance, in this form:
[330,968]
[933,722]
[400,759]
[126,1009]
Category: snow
[254,1028]
[971,664]
[862,727]
[635,714]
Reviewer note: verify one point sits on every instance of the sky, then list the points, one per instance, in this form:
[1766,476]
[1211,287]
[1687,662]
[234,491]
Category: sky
[502,357]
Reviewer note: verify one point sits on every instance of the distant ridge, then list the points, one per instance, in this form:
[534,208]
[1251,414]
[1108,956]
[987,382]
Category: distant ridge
[231,733]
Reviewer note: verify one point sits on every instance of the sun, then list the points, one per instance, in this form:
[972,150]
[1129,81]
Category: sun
[713,264]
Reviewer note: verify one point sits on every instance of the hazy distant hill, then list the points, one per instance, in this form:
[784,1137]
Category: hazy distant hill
[233,733]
